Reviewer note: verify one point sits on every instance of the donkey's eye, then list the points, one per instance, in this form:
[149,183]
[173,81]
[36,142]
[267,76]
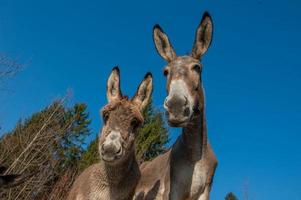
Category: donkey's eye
[165,72]
[196,68]
[135,123]
[105,117]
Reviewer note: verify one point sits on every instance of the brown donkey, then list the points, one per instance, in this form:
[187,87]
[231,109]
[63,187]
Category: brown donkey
[117,175]
[186,171]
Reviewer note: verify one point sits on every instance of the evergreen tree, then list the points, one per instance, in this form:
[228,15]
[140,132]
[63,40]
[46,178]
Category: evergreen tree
[71,146]
[91,156]
[152,136]
[231,196]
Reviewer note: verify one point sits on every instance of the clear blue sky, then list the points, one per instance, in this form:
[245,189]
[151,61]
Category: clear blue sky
[252,74]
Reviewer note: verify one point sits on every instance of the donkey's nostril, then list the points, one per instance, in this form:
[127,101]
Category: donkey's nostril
[119,151]
[186,112]
[176,103]
[186,101]
[166,103]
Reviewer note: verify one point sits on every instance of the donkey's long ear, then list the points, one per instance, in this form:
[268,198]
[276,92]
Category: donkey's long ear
[162,44]
[144,92]
[113,85]
[203,36]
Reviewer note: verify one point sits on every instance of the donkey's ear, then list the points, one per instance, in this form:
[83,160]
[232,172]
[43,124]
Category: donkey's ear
[144,92]
[203,36]
[162,44]
[113,85]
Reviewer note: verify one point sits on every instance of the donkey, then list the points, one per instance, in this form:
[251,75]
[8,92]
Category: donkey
[117,175]
[186,171]
[12,180]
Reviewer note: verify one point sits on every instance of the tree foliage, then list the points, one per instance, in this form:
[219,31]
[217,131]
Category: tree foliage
[8,68]
[71,145]
[50,143]
[91,156]
[153,135]
[231,196]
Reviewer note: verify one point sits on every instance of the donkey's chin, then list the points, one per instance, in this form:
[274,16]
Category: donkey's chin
[178,123]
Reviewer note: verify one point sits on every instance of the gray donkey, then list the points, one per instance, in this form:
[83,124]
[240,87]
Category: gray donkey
[117,175]
[12,180]
[186,171]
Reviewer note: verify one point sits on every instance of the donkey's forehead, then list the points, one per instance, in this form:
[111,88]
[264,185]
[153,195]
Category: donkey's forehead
[124,109]
[118,106]
[182,62]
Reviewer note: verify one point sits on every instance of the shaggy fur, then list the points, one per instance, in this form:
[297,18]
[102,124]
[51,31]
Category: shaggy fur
[116,180]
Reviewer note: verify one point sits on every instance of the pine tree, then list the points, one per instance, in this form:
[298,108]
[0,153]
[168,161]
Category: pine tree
[71,146]
[231,196]
[91,156]
[153,135]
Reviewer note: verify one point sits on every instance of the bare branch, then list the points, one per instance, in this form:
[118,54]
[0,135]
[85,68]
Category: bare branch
[8,66]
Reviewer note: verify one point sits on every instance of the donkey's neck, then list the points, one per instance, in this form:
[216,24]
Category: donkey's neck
[116,174]
[194,136]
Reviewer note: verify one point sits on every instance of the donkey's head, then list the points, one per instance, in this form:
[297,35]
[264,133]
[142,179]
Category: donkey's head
[122,117]
[183,73]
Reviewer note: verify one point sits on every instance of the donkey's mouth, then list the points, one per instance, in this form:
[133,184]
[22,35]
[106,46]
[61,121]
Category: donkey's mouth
[177,123]
[177,120]
[110,158]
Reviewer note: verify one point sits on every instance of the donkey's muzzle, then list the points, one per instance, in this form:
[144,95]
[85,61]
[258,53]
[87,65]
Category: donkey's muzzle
[177,110]
[111,149]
